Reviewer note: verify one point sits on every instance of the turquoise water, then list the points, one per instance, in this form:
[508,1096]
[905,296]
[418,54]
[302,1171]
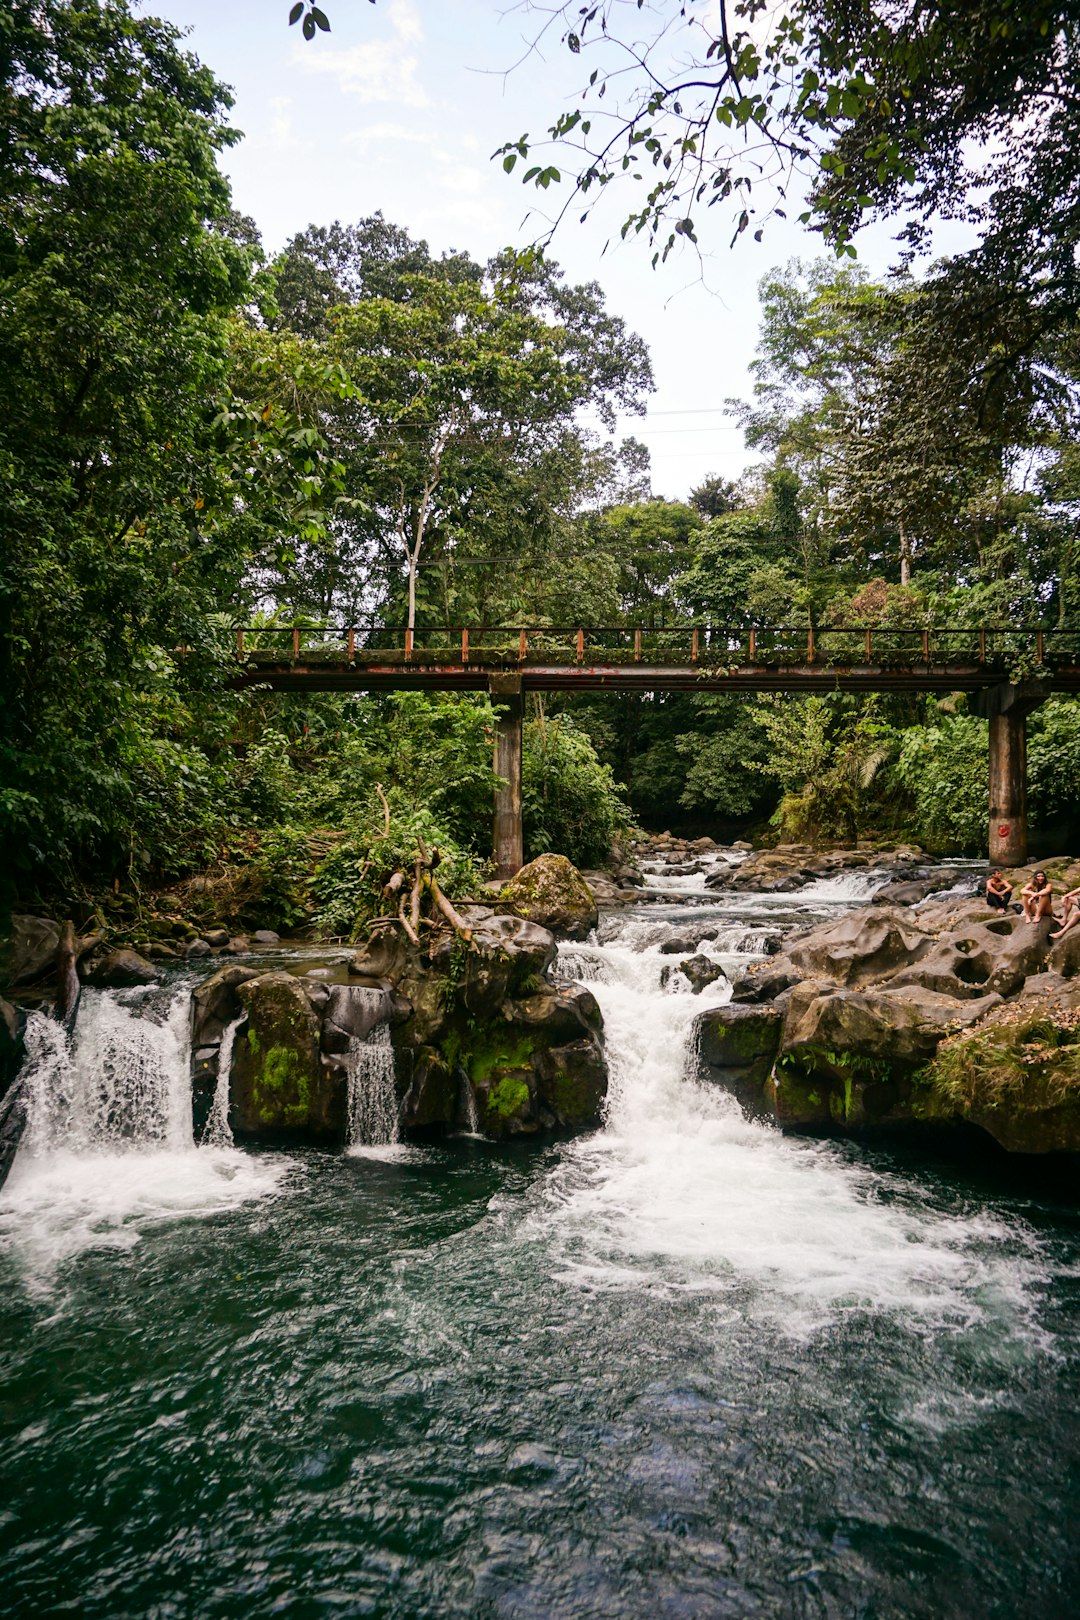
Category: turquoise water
[374,1393]
[681,1368]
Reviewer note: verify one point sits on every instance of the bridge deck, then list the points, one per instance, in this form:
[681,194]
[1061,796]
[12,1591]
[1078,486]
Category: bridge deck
[713,665]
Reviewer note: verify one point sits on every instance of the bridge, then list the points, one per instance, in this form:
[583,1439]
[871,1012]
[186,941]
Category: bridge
[1008,671]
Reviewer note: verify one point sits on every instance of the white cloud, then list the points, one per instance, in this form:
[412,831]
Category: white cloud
[385,134]
[380,69]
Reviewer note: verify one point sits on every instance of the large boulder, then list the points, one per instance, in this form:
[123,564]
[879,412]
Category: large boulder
[29,951]
[551,891]
[215,1003]
[120,970]
[736,1047]
[1016,1072]
[279,1086]
[485,1036]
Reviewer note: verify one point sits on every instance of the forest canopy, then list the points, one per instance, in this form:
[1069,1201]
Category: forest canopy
[197,435]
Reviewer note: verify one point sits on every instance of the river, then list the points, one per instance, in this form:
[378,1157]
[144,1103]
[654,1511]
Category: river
[682,1367]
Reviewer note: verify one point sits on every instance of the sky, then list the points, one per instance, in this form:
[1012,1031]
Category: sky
[399,109]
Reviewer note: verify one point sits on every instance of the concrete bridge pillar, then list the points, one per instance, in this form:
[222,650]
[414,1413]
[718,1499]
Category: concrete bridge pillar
[1007,708]
[509,844]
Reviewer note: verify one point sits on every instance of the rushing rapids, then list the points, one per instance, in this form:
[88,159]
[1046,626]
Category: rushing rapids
[681,1365]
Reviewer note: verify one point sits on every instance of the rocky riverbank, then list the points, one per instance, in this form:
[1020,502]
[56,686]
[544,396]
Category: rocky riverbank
[943,1013]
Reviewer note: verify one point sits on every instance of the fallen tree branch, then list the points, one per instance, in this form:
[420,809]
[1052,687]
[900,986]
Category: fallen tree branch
[458,922]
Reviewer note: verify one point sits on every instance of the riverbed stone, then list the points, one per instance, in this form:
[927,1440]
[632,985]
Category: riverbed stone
[215,1003]
[736,1047]
[551,891]
[29,951]
[279,1088]
[572,1082]
[119,970]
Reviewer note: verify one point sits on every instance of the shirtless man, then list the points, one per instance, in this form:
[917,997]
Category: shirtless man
[1038,898]
[998,892]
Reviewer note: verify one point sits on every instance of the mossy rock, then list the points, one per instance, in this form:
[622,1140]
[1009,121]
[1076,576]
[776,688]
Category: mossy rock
[551,891]
[279,1087]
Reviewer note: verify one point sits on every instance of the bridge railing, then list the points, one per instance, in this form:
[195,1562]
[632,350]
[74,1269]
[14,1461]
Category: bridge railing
[707,646]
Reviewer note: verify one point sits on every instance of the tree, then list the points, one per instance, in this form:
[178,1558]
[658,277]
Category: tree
[463,424]
[119,266]
[915,109]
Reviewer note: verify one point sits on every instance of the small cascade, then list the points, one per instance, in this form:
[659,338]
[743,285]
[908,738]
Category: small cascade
[217,1131]
[469,1108]
[123,1081]
[373,1104]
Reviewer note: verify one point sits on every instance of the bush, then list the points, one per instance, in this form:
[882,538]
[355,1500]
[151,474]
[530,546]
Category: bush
[944,768]
[571,802]
[347,887]
[1054,761]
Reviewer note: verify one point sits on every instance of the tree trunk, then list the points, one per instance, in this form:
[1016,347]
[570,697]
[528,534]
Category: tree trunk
[905,555]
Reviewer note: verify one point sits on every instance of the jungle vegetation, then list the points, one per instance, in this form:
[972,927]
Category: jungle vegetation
[195,435]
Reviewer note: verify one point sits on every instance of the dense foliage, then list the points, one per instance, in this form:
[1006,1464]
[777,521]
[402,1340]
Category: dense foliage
[192,438]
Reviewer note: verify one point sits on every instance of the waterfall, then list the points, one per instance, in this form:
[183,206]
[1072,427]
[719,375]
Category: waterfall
[373,1104]
[681,1191]
[123,1082]
[217,1131]
[108,1149]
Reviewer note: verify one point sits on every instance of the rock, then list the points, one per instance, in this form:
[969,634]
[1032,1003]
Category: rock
[909,891]
[197,948]
[265,936]
[859,948]
[11,1044]
[29,951]
[216,937]
[350,1012]
[239,944]
[567,1015]
[572,1082]
[701,971]
[1014,1074]
[898,1028]
[736,1048]
[433,1101]
[155,951]
[118,970]
[552,893]
[482,1017]
[279,1087]
[215,1003]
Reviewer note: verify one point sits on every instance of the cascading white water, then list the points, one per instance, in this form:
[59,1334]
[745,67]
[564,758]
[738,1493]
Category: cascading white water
[108,1145]
[126,1080]
[373,1105]
[680,1190]
[217,1131]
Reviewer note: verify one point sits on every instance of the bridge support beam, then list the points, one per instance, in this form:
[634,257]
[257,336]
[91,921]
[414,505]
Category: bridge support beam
[1007,708]
[509,845]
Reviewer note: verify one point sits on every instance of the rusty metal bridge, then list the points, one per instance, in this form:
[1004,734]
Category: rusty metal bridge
[1009,670]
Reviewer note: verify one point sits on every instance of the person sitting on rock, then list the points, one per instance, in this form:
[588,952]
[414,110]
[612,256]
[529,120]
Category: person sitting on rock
[1070,915]
[998,891]
[1038,898]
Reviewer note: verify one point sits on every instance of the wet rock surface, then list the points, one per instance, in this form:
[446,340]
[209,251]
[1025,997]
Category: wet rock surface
[894,1016]
[482,1037]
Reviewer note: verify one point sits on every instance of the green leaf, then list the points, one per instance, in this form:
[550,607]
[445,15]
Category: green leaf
[321,19]
[296,13]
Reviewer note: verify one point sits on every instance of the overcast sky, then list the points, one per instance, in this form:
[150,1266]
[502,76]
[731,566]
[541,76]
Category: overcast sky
[400,109]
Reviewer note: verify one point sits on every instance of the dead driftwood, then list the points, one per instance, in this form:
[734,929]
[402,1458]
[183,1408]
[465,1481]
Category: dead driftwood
[415,891]
[423,887]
